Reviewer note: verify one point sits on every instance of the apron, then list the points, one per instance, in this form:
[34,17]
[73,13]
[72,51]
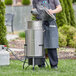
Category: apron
[50,34]
[50,31]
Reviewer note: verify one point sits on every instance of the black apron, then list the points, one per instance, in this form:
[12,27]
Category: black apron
[50,31]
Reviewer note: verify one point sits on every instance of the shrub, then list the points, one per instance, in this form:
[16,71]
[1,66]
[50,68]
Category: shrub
[69,32]
[71,10]
[8,2]
[3,40]
[22,34]
[67,15]
[26,2]
[61,17]
[62,40]
[72,42]
[67,11]
[73,1]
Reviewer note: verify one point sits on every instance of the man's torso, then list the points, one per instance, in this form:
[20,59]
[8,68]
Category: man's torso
[50,2]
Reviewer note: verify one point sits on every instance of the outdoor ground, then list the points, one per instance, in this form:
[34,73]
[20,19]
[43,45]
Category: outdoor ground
[65,68]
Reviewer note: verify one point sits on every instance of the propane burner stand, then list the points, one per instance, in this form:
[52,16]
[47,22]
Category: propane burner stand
[33,61]
[33,49]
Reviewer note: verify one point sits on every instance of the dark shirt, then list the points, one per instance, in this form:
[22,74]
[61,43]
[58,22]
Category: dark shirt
[52,3]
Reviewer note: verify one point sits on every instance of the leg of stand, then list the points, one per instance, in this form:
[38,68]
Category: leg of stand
[24,63]
[33,63]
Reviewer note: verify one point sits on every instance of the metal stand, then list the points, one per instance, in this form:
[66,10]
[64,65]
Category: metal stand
[24,64]
[33,63]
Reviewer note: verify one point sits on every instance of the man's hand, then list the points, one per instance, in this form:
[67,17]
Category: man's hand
[57,10]
[50,11]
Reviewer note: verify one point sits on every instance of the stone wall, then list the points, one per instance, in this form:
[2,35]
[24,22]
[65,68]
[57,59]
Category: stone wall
[21,16]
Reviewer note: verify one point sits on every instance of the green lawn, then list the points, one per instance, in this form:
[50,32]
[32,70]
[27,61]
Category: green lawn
[65,68]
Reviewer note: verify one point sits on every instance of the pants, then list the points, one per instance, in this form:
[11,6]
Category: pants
[53,58]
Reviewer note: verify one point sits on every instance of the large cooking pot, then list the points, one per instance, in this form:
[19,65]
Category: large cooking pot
[34,39]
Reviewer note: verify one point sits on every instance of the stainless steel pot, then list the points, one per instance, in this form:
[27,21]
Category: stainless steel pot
[34,39]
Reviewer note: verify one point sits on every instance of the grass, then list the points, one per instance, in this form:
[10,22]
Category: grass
[65,68]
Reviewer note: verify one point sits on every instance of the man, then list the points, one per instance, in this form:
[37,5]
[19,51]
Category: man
[51,31]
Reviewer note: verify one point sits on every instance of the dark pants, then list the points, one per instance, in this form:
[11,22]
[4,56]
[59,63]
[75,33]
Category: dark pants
[53,58]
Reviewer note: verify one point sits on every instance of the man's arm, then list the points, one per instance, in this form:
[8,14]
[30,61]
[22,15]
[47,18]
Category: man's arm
[57,10]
